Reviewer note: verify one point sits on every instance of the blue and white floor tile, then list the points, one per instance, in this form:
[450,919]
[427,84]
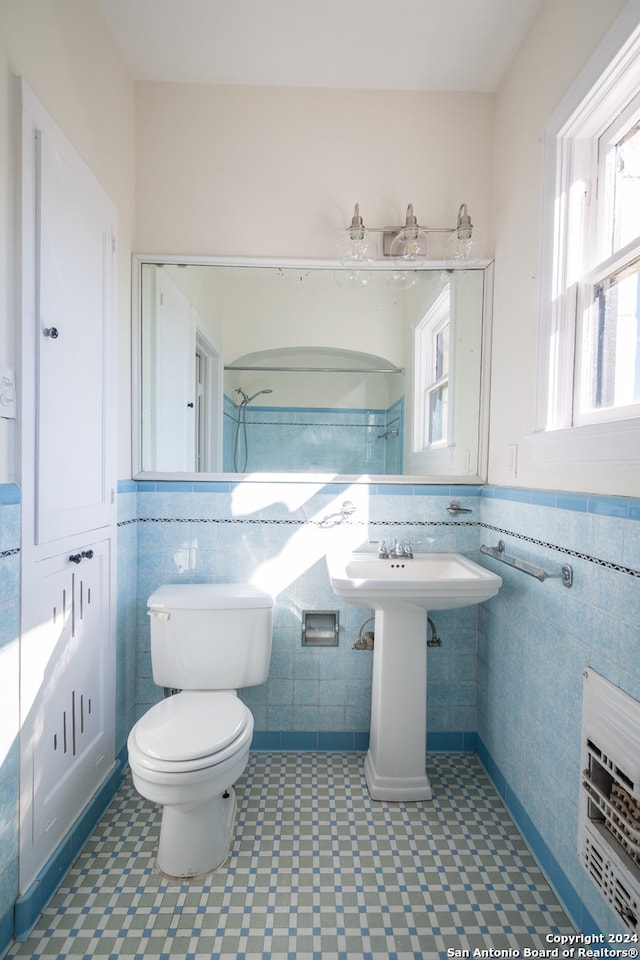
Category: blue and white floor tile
[317,871]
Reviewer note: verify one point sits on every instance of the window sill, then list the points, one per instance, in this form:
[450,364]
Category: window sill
[617,441]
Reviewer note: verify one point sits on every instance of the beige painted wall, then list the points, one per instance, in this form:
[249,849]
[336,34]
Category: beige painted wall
[66,54]
[560,41]
[276,171]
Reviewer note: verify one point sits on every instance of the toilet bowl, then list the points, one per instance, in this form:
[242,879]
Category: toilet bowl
[189,749]
[185,755]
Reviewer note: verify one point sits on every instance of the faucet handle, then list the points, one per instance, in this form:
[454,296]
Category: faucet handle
[383,553]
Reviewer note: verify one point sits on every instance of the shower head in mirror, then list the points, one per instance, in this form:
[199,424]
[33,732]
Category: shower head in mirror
[246,399]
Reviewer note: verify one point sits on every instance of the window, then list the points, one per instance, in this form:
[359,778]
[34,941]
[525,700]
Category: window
[432,366]
[591,272]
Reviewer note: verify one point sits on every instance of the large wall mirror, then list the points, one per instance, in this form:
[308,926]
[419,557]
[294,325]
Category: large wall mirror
[267,369]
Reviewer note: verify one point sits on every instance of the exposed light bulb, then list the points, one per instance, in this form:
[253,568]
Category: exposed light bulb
[463,242]
[410,244]
[354,244]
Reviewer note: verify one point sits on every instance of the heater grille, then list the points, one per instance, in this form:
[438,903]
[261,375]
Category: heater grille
[609,825]
[608,877]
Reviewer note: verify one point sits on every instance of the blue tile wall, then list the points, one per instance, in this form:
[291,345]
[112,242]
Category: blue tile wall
[9,718]
[273,535]
[508,677]
[281,439]
[535,639]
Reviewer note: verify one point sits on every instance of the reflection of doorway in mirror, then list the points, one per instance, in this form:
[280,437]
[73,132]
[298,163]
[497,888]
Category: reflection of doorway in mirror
[208,390]
[182,386]
[171,395]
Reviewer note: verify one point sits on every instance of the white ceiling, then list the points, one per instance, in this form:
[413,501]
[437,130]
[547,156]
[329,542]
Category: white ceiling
[369,44]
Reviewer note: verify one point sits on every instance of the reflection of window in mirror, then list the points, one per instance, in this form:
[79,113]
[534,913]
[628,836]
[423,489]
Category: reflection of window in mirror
[432,375]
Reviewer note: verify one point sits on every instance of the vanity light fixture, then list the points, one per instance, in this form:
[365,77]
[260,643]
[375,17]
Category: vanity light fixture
[407,246]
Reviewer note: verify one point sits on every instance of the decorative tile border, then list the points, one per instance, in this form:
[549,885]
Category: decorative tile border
[283,521]
[624,508]
[261,522]
[609,565]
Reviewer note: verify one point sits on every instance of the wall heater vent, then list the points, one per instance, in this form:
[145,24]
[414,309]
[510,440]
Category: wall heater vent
[609,819]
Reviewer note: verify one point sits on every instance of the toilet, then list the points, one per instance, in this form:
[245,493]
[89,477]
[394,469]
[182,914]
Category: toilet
[185,753]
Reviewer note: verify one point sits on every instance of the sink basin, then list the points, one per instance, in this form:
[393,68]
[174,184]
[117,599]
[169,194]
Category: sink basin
[402,592]
[435,581]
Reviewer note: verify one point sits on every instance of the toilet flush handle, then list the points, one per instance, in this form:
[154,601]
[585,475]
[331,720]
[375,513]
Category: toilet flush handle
[158,614]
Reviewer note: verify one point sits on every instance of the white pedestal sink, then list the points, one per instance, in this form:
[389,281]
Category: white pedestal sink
[401,591]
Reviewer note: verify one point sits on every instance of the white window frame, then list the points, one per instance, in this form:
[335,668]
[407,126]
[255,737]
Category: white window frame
[570,143]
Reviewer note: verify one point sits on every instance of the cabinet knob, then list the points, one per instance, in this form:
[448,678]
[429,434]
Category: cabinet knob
[79,557]
[51,332]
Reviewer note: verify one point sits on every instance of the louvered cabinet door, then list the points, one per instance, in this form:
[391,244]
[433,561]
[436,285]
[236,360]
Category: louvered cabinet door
[66,688]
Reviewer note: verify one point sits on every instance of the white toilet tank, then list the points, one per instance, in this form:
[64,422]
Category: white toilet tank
[210,636]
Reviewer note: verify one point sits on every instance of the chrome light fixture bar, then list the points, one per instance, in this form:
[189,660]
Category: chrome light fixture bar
[407,245]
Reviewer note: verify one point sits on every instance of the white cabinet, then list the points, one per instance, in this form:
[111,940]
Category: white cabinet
[67,477]
[75,222]
[67,694]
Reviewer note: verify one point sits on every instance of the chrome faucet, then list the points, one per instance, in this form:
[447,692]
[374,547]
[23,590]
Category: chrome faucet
[402,550]
[397,550]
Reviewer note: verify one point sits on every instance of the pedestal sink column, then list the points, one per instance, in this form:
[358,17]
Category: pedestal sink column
[395,762]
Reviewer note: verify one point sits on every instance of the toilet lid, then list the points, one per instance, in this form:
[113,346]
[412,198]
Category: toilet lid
[191,725]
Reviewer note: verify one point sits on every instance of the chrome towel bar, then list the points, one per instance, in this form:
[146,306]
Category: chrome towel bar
[498,553]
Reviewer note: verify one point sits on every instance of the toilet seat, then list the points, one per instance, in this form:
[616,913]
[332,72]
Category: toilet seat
[191,731]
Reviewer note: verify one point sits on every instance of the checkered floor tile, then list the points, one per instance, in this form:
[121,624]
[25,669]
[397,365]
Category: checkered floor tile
[317,871]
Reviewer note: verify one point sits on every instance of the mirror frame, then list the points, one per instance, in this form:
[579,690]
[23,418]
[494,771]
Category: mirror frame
[139,260]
